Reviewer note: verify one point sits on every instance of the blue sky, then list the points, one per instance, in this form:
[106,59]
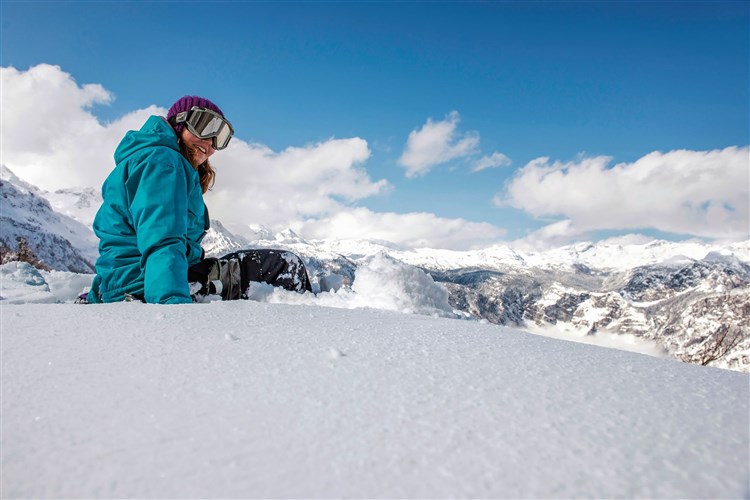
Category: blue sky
[562,80]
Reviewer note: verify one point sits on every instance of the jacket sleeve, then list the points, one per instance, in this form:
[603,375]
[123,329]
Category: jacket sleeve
[160,210]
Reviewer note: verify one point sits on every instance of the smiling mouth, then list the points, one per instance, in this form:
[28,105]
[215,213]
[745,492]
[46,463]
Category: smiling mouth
[201,149]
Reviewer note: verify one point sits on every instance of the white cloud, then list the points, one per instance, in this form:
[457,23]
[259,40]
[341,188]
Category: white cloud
[701,193]
[493,161]
[436,143]
[256,184]
[416,229]
[49,136]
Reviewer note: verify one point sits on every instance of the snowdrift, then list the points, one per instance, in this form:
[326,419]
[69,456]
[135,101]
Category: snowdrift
[254,399]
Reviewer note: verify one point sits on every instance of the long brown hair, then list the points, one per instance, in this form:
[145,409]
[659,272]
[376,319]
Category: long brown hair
[205,171]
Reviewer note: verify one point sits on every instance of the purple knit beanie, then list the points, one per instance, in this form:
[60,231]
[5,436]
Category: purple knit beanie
[185,104]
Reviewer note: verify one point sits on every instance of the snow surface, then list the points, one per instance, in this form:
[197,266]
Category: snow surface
[259,398]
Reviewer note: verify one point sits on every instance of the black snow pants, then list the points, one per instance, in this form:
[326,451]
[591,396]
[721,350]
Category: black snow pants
[236,270]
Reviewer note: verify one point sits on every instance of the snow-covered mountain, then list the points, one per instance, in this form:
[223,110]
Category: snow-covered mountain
[79,204]
[692,299]
[58,240]
[692,308]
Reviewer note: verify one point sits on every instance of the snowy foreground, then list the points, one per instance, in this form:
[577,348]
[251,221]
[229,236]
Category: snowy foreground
[302,400]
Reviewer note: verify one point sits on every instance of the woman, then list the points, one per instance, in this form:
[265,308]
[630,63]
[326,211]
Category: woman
[153,218]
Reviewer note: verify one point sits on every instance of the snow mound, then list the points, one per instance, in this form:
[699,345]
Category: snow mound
[386,283]
[382,282]
[20,282]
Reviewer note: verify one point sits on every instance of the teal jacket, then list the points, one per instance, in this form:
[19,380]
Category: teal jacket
[151,222]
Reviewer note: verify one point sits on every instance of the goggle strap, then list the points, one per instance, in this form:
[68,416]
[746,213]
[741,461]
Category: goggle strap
[178,118]
[181,117]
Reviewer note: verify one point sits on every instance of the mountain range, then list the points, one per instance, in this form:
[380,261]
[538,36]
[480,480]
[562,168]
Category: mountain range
[690,299]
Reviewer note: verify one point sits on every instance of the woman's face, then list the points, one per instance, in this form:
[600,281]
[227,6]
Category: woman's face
[200,149]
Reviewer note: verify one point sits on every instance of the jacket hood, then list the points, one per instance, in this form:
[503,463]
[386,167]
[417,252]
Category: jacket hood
[155,132]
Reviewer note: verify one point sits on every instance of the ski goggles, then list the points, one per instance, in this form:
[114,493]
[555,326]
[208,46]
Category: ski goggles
[206,124]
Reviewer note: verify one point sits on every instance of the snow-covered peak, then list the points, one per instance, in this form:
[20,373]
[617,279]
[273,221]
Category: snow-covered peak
[7,175]
[255,232]
[599,256]
[288,236]
[220,241]
[79,203]
[619,257]
[725,256]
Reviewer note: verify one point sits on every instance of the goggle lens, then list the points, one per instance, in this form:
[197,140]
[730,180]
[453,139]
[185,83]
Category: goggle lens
[205,123]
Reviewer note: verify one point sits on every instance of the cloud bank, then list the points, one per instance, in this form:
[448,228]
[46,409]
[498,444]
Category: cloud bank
[49,136]
[417,230]
[700,193]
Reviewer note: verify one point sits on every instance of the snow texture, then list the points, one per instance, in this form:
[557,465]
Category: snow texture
[252,399]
